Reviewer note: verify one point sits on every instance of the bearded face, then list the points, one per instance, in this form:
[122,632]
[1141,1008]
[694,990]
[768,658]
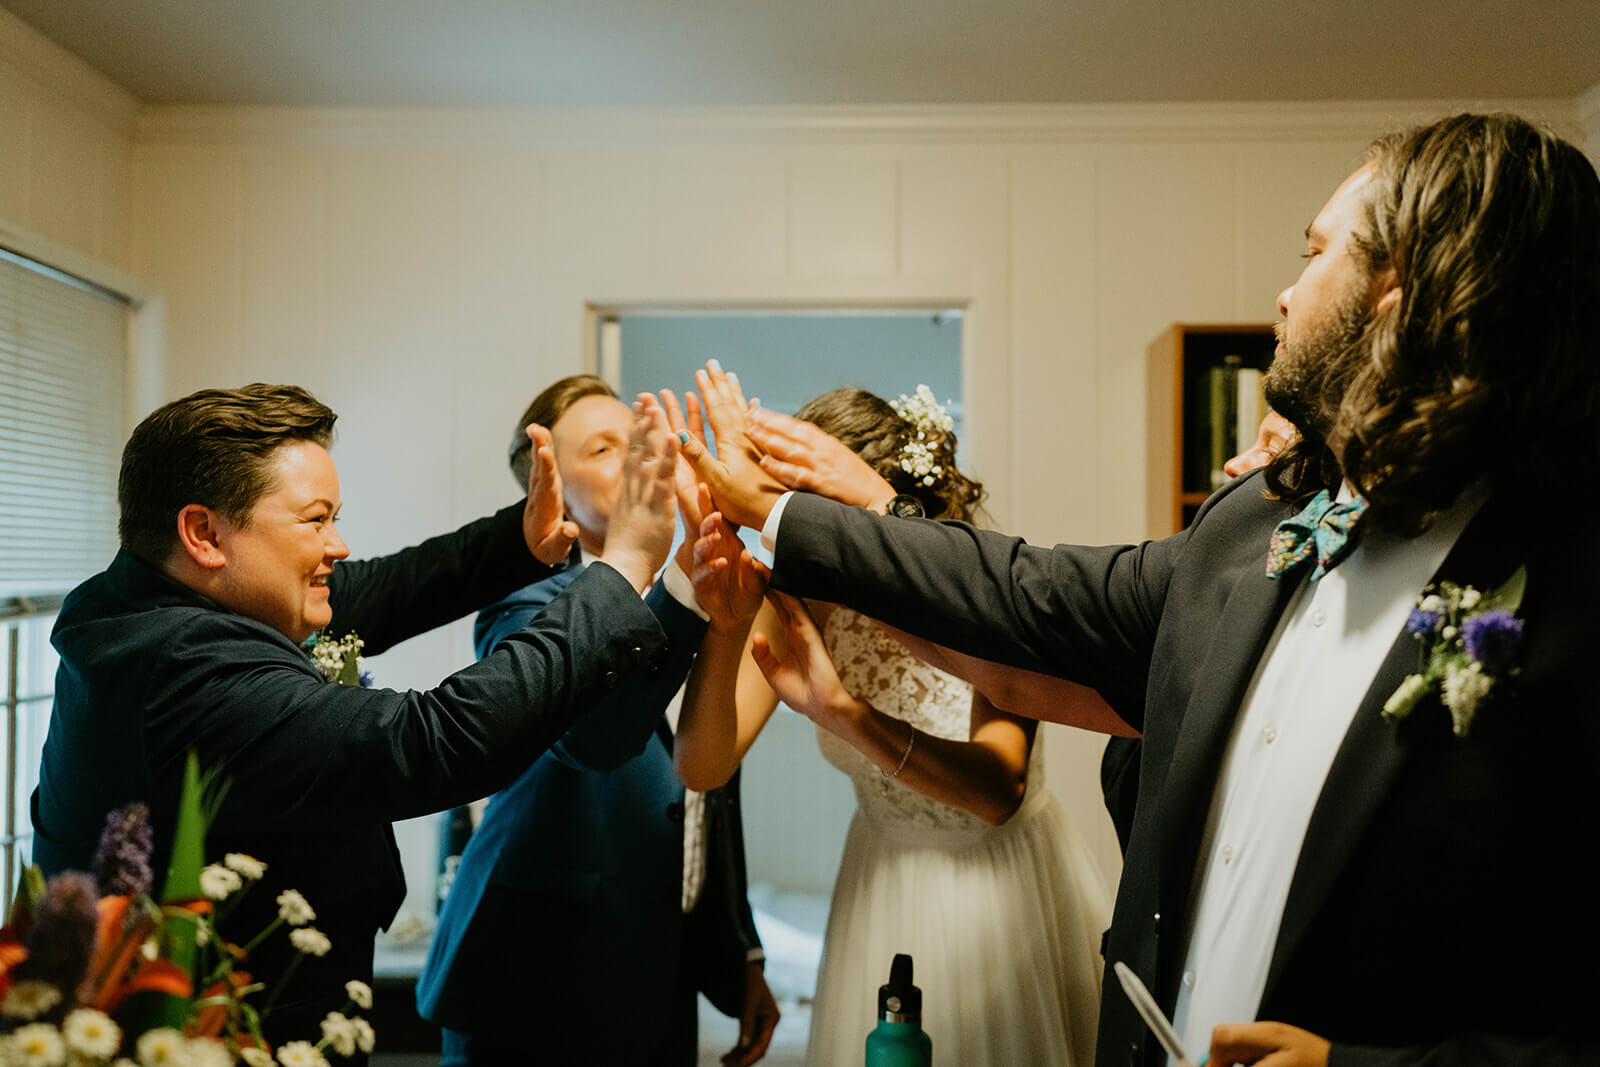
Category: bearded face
[1316,357]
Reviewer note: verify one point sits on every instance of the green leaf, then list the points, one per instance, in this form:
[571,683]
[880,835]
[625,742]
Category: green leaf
[30,890]
[1509,596]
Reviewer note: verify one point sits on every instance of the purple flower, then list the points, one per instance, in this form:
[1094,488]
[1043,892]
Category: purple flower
[1492,638]
[62,941]
[122,862]
[1424,623]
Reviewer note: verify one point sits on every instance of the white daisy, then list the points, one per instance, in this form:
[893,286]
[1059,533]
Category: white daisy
[91,1033]
[217,882]
[29,1000]
[360,994]
[248,866]
[294,908]
[310,940]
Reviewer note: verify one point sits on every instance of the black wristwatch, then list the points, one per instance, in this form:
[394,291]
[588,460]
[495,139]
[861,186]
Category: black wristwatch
[904,506]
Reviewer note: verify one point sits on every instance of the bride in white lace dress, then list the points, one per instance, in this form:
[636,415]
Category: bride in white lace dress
[957,854]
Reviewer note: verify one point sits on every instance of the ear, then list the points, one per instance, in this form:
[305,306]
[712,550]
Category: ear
[198,534]
[1388,290]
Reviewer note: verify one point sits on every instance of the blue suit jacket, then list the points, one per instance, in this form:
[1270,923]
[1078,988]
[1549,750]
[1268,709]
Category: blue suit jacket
[564,916]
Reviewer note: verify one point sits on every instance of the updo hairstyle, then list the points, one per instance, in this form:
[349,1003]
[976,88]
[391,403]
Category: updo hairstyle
[872,429]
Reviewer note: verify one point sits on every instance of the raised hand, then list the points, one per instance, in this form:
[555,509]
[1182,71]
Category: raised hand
[802,674]
[802,456]
[686,485]
[743,492]
[639,531]
[548,533]
[728,582]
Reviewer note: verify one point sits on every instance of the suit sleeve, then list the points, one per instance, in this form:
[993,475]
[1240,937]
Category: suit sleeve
[624,720]
[1086,614]
[390,598]
[298,749]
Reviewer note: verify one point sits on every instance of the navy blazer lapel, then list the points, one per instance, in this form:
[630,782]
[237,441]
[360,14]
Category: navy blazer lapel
[1374,749]
[1242,631]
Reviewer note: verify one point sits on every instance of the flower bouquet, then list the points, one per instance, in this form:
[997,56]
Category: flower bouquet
[94,970]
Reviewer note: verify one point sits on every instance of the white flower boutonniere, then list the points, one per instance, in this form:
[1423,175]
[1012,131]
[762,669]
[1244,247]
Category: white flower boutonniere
[1470,641]
[340,660]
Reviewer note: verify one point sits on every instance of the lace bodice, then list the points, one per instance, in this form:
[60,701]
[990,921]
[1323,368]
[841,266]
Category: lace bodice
[878,669]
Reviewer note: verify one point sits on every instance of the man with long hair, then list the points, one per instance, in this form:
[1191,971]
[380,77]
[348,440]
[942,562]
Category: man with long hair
[1364,749]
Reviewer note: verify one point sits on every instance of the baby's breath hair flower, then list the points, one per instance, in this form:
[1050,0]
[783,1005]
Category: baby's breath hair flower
[339,1033]
[924,411]
[246,866]
[218,882]
[929,418]
[91,1033]
[294,909]
[29,1000]
[366,1037]
[310,940]
[161,1047]
[360,994]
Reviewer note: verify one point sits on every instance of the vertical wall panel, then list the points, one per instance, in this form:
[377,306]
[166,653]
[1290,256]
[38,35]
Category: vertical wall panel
[283,261]
[842,212]
[718,213]
[1275,199]
[1166,220]
[953,211]
[186,215]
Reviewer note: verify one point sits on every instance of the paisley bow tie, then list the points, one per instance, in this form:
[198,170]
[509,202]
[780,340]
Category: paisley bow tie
[1324,530]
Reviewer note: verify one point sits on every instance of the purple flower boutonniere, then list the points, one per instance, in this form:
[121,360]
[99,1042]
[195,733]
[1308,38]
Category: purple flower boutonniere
[1470,640]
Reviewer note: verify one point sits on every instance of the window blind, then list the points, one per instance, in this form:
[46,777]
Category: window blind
[63,371]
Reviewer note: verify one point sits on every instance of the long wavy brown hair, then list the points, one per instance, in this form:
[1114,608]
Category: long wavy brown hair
[1485,368]
[876,432]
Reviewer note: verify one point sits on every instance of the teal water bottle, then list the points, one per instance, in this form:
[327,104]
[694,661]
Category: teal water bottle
[898,1040]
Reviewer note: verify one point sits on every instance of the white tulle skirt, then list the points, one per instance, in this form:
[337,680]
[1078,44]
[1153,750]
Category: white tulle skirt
[1003,925]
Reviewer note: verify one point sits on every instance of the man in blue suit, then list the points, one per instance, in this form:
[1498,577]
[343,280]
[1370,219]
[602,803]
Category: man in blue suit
[596,900]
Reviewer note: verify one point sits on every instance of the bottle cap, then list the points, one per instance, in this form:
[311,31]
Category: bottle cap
[900,1001]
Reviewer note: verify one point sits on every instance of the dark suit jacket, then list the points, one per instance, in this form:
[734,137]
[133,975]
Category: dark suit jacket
[1441,910]
[564,917]
[150,669]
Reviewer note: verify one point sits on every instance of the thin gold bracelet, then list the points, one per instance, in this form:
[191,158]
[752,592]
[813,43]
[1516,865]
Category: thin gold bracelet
[911,739]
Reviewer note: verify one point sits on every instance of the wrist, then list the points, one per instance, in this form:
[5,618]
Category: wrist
[636,567]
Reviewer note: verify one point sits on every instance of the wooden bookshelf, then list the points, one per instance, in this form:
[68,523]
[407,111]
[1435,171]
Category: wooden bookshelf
[1178,381]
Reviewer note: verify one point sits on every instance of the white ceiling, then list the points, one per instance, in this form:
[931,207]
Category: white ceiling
[643,53]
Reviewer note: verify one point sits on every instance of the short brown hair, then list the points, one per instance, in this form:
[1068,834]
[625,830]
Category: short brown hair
[872,429]
[214,448]
[546,409]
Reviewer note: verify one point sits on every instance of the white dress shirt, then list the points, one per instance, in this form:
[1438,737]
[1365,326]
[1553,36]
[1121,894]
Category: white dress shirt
[1333,637]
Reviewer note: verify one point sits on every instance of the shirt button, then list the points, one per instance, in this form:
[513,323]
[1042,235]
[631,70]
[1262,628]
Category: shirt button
[1269,734]
[1318,618]
[1227,853]
[675,811]
[1188,979]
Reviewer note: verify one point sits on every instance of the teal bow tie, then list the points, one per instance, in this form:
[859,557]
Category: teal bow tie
[1324,529]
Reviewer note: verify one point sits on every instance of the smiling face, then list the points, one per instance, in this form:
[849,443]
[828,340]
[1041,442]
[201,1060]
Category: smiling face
[1325,311]
[590,439]
[275,568]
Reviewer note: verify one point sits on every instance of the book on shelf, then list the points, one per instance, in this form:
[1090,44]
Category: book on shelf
[1236,409]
